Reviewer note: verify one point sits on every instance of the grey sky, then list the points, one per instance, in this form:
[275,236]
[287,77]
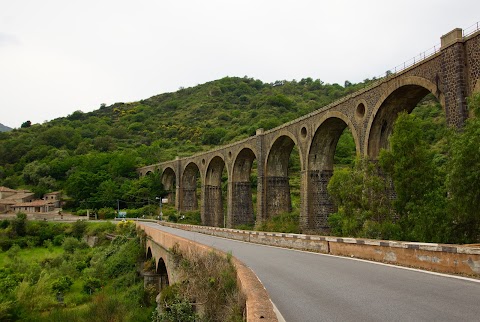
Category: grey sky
[59,56]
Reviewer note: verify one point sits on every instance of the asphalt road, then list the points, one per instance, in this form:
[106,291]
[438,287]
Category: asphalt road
[315,287]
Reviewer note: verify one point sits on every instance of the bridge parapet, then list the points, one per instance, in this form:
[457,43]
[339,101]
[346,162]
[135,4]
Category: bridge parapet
[258,304]
[444,258]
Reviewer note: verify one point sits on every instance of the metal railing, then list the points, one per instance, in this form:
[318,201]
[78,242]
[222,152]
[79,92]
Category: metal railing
[471,30]
[417,59]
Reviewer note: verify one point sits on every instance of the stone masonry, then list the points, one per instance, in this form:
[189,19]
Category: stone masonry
[451,75]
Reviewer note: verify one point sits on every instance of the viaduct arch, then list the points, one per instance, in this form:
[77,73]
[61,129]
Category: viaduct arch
[451,74]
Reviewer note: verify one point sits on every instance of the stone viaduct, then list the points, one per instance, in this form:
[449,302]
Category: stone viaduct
[450,73]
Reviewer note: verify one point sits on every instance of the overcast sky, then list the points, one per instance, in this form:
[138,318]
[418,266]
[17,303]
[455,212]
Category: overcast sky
[60,56]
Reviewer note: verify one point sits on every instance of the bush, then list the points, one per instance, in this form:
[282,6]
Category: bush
[62,284]
[58,240]
[91,285]
[284,223]
[97,228]
[70,244]
[78,228]
[4,223]
[190,217]
[212,282]
[107,213]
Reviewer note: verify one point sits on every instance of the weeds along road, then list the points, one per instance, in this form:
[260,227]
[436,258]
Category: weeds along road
[315,287]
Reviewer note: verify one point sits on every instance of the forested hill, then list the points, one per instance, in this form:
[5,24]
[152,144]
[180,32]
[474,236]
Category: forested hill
[109,143]
[4,128]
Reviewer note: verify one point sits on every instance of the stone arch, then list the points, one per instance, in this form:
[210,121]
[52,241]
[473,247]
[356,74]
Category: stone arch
[278,199]
[320,168]
[149,253]
[163,274]
[404,95]
[213,201]
[242,203]
[169,181]
[189,187]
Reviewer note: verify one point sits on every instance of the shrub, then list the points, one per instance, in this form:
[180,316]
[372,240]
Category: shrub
[70,244]
[58,240]
[62,284]
[106,213]
[78,228]
[284,223]
[91,285]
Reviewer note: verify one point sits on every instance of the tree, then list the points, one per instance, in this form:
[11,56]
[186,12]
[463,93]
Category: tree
[26,124]
[364,209]
[463,179]
[419,183]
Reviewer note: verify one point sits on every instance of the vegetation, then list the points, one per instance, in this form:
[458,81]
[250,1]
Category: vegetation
[93,156]
[208,293]
[60,278]
[435,175]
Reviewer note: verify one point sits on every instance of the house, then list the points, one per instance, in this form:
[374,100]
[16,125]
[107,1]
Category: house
[6,192]
[5,205]
[24,201]
[10,197]
[21,196]
[33,206]
[53,197]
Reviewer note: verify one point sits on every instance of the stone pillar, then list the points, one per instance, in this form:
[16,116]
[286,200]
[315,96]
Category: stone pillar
[320,203]
[261,181]
[454,77]
[304,201]
[178,179]
[278,196]
[242,206]
[189,200]
[213,206]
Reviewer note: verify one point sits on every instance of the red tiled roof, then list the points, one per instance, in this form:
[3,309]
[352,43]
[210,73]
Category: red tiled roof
[35,203]
[5,189]
[7,202]
[19,196]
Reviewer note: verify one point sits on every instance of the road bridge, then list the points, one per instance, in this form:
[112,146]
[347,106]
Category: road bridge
[451,73]
[307,286]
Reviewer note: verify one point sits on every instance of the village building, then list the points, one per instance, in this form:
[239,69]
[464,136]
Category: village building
[54,197]
[36,206]
[24,201]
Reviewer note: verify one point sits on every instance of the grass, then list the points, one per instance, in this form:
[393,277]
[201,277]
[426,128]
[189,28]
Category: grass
[33,254]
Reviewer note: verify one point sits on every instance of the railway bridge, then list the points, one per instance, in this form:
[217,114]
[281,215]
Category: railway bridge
[451,72]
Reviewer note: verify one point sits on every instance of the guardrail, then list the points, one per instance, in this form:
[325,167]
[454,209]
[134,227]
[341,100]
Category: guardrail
[419,58]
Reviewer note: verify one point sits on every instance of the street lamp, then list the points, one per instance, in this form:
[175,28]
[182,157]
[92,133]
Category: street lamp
[160,204]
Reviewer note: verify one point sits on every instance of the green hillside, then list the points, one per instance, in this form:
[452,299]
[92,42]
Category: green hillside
[93,156]
[4,128]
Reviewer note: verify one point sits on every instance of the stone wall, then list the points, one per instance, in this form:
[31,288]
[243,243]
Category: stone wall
[444,258]
[258,304]
[451,73]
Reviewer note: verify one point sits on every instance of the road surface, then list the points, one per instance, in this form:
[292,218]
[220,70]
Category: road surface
[307,286]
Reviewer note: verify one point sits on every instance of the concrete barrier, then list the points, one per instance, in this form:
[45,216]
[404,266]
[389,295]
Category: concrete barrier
[444,258]
[258,304]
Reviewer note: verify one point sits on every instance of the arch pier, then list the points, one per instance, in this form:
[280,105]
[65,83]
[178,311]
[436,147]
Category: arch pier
[261,162]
